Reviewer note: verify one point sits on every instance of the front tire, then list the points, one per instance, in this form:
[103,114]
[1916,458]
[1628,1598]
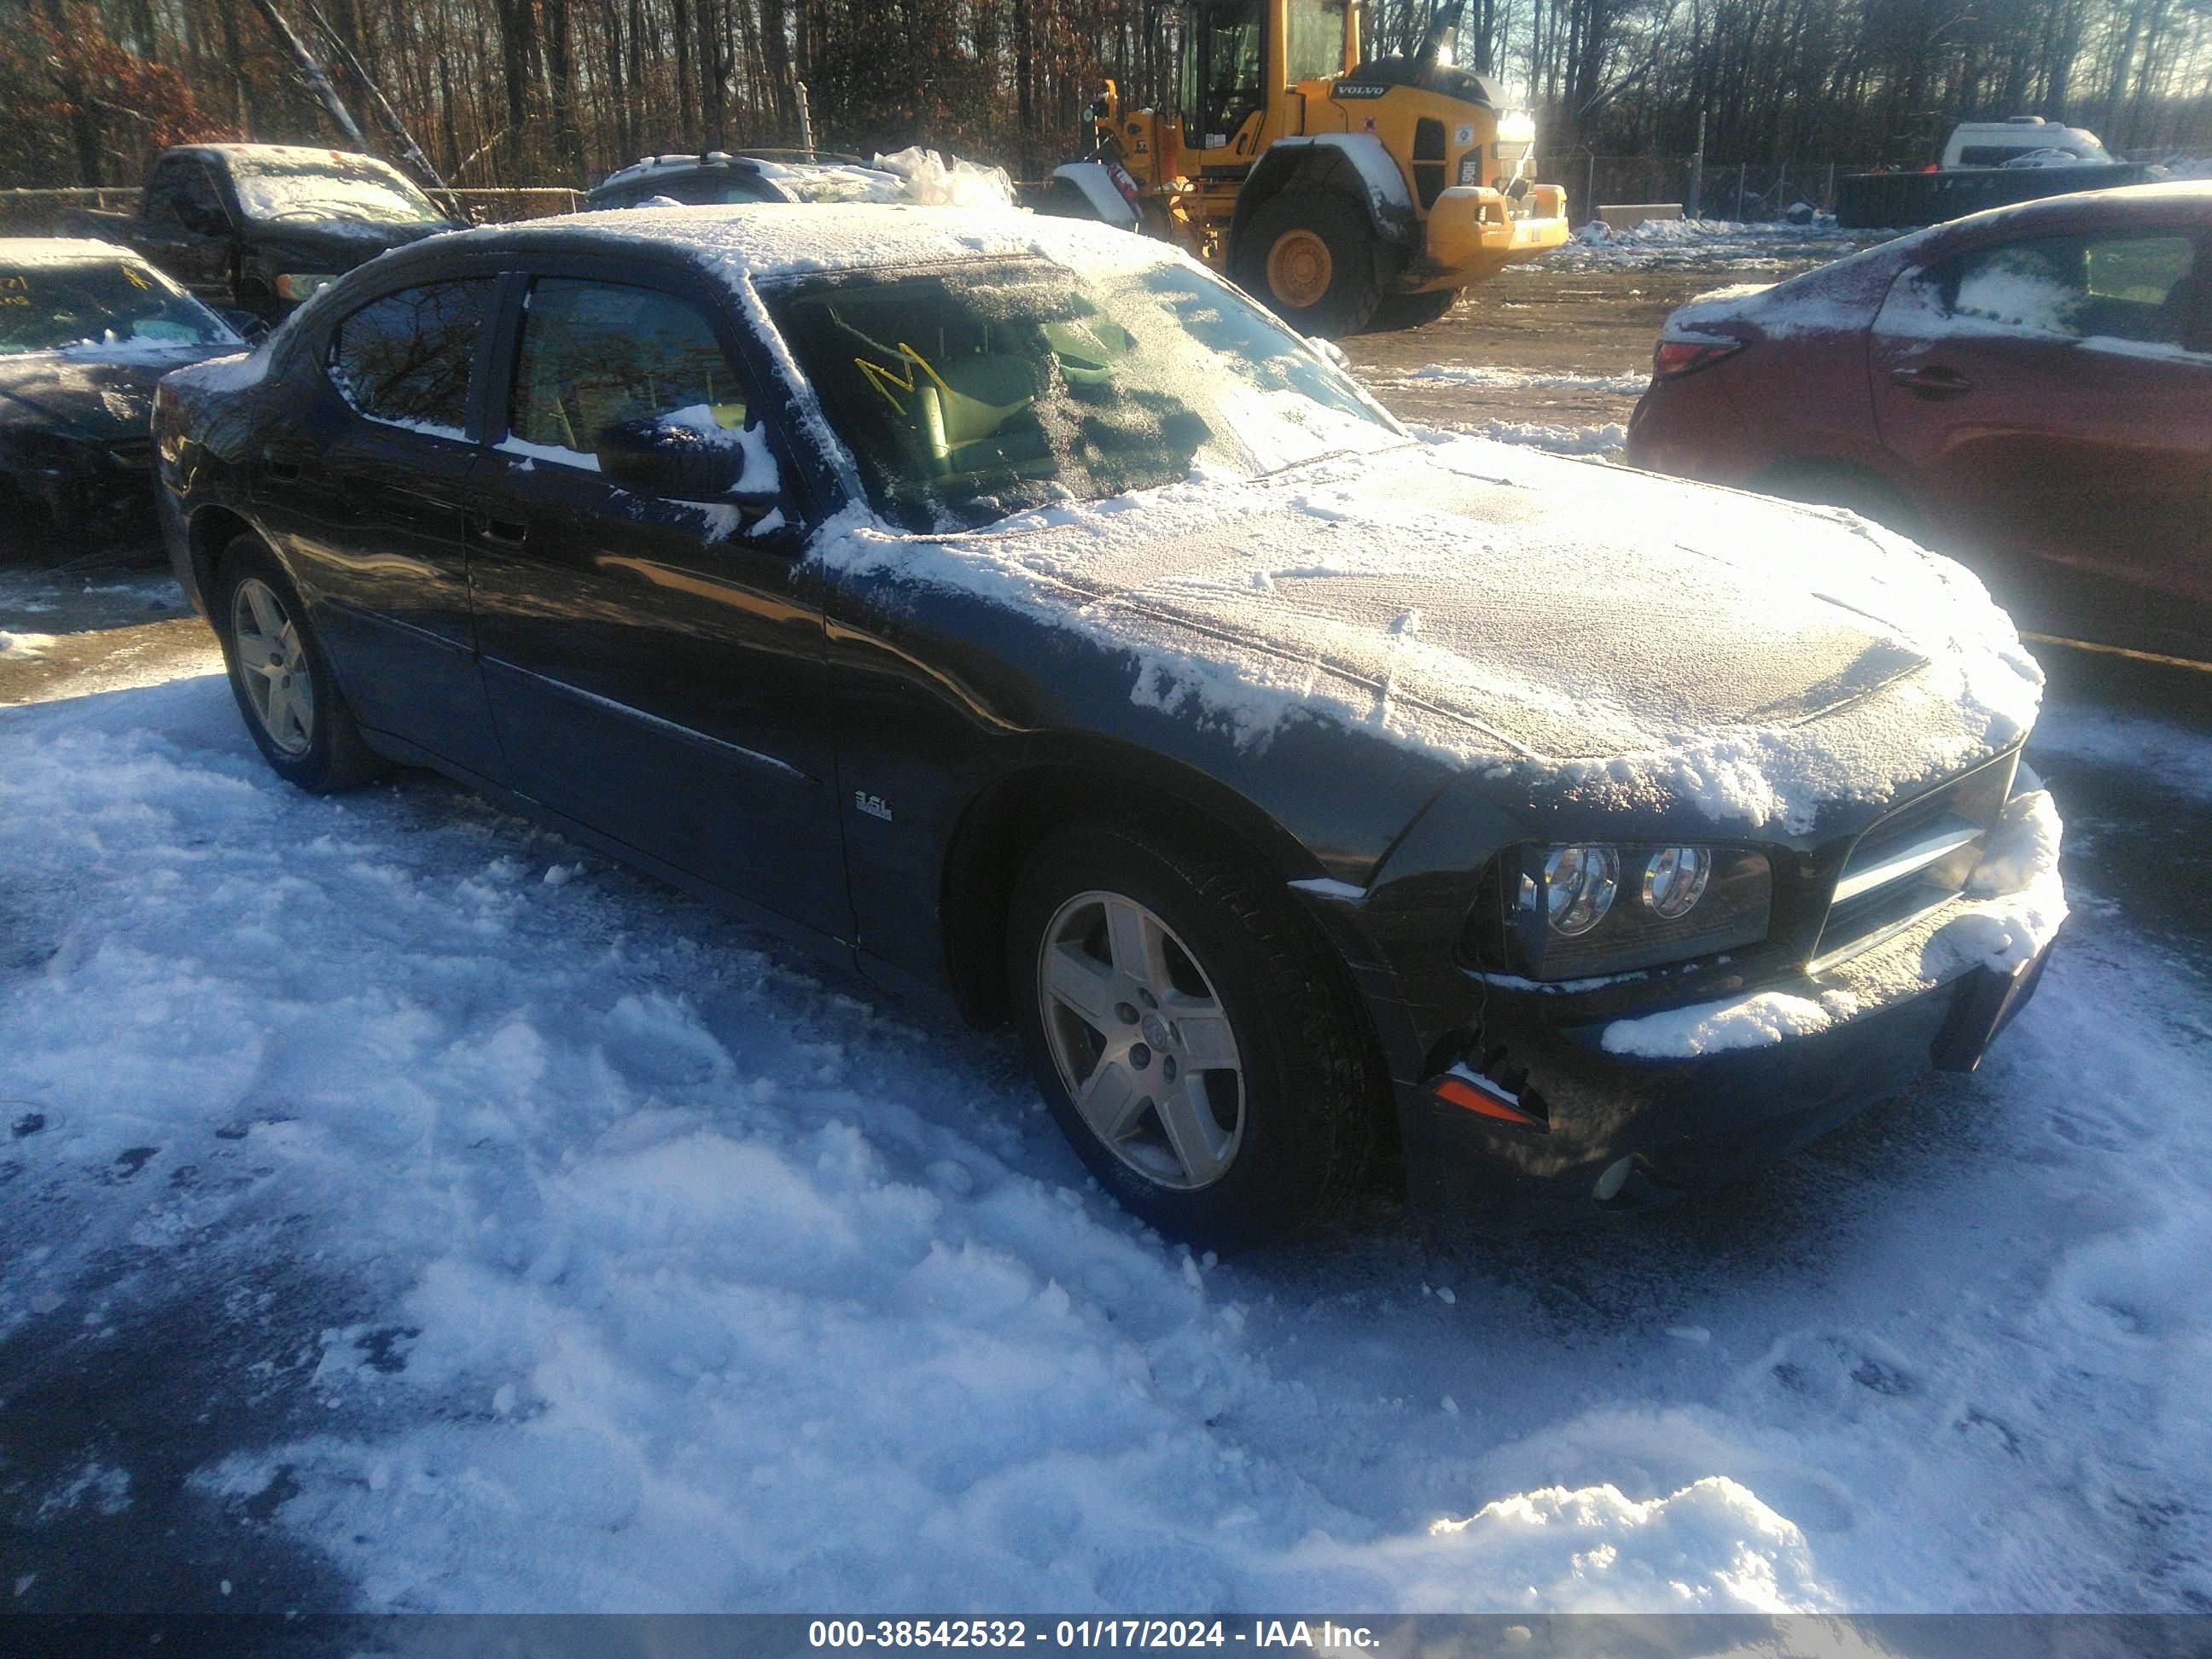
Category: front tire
[1192,1035]
[1310,258]
[293,710]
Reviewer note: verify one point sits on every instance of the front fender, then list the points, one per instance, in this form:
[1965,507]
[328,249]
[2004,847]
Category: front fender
[1354,163]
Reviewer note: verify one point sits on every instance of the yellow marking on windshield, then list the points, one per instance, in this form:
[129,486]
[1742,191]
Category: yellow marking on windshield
[885,379]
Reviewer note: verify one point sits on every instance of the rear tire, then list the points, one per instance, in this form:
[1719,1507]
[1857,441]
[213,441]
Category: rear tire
[1403,311]
[293,710]
[1311,259]
[1228,1096]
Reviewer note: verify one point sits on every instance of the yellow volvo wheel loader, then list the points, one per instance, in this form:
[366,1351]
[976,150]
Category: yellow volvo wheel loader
[1347,193]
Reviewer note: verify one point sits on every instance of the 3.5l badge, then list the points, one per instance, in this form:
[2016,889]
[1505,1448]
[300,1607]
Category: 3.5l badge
[873,806]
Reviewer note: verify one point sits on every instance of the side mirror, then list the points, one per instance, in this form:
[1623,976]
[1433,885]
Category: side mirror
[658,458]
[203,219]
[245,323]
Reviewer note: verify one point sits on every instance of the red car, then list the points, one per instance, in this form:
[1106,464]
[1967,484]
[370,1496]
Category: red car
[2028,389]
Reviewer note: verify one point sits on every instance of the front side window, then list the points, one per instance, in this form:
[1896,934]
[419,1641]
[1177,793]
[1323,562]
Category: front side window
[406,359]
[968,395]
[93,304]
[601,354]
[2137,287]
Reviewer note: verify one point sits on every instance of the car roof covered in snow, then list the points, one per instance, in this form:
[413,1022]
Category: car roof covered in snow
[289,154]
[2121,206]
[772,239]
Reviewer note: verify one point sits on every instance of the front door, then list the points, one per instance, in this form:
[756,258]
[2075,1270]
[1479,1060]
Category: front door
[2052,398]
[655,665]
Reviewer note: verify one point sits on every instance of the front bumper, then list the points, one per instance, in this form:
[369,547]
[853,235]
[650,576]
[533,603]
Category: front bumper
[1624,1125]
[1474,234]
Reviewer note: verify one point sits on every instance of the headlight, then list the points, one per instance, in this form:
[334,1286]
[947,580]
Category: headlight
[1579,883]
[1674,880]
[1587,909]
[298,286]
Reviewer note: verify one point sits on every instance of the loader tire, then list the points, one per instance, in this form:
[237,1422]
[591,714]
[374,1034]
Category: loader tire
[1311,259]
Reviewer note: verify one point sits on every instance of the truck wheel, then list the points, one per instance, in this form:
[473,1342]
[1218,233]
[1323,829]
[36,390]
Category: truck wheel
[1190,1034]
[1311,259]
[1398,310]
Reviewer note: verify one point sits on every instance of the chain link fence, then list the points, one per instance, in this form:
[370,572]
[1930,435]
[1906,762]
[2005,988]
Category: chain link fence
[1733,190]
[38,212]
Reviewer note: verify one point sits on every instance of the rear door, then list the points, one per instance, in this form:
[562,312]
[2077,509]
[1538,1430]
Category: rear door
[656,667]
[2052,398]
[366,494]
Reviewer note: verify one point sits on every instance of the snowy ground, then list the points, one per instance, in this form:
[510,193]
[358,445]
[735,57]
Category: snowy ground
[405,1210]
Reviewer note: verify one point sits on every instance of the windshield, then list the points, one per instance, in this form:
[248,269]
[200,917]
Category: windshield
[330,186]
[966,396]
[95,303]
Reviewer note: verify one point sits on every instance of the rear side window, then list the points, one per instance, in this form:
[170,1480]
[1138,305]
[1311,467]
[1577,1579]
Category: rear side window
[406,359]
[2136,287]
[596,355]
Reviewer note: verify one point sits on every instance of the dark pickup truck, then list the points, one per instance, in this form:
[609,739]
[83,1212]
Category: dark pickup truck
[258,227]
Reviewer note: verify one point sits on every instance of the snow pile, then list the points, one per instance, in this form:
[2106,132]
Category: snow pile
[1596,1551]
[1752,1021]
[931,181]
[1606,440]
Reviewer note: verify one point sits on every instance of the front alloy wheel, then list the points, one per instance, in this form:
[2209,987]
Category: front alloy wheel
[1195,1036]
[1140,1041]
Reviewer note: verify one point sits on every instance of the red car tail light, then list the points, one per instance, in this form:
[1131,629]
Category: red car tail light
[1673,359]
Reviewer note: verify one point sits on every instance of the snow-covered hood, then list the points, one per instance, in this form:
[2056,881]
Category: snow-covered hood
[99,395]
[1657,640]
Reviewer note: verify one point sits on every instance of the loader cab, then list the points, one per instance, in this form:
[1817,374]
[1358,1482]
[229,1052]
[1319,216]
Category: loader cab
[1235,62]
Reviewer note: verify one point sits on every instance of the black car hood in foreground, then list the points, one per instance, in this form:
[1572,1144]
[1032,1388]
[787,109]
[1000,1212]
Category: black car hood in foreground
[90,394]
[1653,641]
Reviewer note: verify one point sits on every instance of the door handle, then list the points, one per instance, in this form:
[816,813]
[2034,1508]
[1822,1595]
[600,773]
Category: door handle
[507,532]
[279,468]
[1932,383]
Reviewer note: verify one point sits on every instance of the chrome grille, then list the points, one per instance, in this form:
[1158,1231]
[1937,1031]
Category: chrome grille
[1916,860]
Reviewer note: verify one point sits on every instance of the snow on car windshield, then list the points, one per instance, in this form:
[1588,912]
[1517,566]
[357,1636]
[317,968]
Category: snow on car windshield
[330,186]
[50,306]
[966,396]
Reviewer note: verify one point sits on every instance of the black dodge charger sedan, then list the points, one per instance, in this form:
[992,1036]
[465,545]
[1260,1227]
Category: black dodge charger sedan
[1012,608]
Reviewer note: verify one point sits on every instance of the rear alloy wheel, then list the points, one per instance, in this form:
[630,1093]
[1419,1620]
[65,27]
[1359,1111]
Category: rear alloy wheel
[293,710]
[1191,1033]
[1311,258]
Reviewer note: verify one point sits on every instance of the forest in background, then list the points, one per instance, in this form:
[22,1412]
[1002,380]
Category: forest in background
[561,92]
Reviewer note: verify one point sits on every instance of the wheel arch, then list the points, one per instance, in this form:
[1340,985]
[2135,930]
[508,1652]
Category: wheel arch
[209,531]
[1353,164]
[1004,819]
